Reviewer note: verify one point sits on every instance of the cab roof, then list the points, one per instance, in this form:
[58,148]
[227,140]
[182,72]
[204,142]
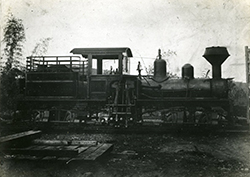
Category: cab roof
[104,53]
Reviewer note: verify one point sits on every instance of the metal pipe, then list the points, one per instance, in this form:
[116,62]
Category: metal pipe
[216,71]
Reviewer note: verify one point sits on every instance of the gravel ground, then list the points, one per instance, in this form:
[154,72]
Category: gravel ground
[148,155]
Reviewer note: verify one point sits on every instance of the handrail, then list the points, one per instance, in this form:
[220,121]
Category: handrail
[75,63]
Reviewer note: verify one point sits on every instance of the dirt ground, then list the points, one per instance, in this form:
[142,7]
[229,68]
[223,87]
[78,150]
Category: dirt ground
[149,155]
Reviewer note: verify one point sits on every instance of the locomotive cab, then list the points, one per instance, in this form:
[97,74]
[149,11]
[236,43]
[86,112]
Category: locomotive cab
[111,89]
[99,80]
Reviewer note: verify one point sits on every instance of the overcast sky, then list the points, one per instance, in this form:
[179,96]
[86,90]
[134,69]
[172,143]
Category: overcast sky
[181,28]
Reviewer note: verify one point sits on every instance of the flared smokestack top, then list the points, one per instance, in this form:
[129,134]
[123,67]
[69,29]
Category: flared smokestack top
[216,56]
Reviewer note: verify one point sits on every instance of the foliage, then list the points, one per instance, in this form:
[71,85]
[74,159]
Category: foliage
[169,53]
[14,36]
[10,91]
[41,47]
[150,70]
[238,96]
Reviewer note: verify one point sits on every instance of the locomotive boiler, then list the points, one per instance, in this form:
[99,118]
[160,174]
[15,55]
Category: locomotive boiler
[161,85]
[187,94]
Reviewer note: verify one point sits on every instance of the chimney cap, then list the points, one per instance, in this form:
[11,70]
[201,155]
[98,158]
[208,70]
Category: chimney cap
[216,51]
[216,55]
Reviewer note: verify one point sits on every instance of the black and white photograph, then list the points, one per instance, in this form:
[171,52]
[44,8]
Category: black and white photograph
[136,88]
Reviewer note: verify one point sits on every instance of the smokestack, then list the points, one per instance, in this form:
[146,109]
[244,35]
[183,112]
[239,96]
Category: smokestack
[216,56]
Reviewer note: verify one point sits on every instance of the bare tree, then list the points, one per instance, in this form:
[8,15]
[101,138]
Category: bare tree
[41,47]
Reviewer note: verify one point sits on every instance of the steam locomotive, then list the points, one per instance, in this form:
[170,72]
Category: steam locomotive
[67,88]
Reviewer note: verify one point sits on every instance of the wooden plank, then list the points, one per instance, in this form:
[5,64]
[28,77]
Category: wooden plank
[99,152]
[18,136]
[30,147]
[81,149]
[28,157]
[50,142]
[68,159]
[49,158]
[59,151]
[64,158]
[39,147]
[25,151]
[84,154]
[61,148]
[83,143]
[92,153]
